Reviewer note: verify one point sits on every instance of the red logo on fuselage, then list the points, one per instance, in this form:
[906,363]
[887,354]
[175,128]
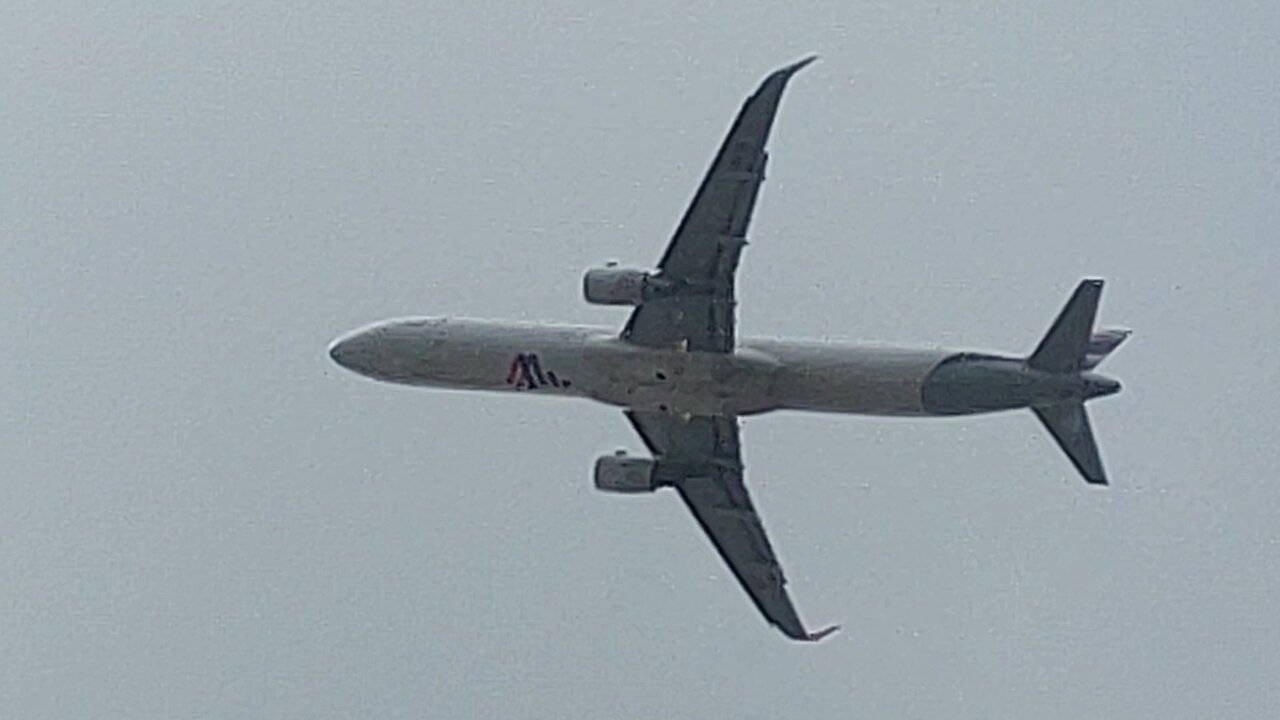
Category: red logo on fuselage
[526,373]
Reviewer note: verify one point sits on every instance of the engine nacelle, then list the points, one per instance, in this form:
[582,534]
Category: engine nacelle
[619,286]
[623,474]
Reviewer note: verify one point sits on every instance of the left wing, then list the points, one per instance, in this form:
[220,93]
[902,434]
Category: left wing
[700,456]
[700,261]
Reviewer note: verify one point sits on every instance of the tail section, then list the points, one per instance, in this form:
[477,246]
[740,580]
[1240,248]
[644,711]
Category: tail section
[1067,353]
[1068,423]
[1065,346]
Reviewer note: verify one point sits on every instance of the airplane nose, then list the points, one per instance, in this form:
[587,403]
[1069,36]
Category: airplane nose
[340,351]
[354,352]
[390,351]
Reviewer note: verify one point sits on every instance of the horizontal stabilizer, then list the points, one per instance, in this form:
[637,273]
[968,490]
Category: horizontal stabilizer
[1069,425]
[1064,347]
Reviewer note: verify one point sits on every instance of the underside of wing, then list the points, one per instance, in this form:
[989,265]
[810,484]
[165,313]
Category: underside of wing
[700,456]
[702,258]
[1068,423]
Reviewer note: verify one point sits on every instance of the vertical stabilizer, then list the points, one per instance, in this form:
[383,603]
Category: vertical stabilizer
[1064,347]
[1102,343]
[1069,425]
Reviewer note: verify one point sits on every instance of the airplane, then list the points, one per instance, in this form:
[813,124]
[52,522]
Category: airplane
[683,377]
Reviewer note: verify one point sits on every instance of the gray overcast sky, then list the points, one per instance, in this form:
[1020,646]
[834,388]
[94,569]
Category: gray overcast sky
[201,516]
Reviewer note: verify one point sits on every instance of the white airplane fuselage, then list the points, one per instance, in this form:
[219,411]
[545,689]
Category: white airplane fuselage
[593,362]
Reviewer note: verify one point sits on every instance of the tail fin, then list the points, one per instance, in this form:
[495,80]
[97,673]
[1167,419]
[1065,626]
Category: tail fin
[1064,347]
[1101,344]
[1069,425]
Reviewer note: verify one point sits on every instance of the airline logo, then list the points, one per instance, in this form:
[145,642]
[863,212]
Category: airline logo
[526,373]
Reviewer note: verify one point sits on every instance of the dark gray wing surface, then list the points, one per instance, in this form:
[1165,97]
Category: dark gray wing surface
[700,456]
[1068,423]
[702,257]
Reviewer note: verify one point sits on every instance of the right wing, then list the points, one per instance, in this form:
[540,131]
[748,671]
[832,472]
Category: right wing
[702,258]
[700,456]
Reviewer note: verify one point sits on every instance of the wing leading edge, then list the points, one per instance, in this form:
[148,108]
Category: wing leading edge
[702,258]
[700,456]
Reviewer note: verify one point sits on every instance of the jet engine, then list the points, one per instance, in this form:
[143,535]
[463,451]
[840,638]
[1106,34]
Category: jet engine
[623,474]
[619,286]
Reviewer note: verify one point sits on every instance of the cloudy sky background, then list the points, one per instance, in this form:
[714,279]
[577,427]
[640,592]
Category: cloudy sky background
[201,516]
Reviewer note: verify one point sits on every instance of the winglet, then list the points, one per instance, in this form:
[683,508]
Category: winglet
[796,67]
[816,636]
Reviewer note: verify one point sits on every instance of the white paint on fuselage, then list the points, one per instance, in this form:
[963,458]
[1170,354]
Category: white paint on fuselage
[593,362]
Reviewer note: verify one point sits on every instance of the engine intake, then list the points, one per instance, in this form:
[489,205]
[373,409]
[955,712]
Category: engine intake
[619,286]
[623,474]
